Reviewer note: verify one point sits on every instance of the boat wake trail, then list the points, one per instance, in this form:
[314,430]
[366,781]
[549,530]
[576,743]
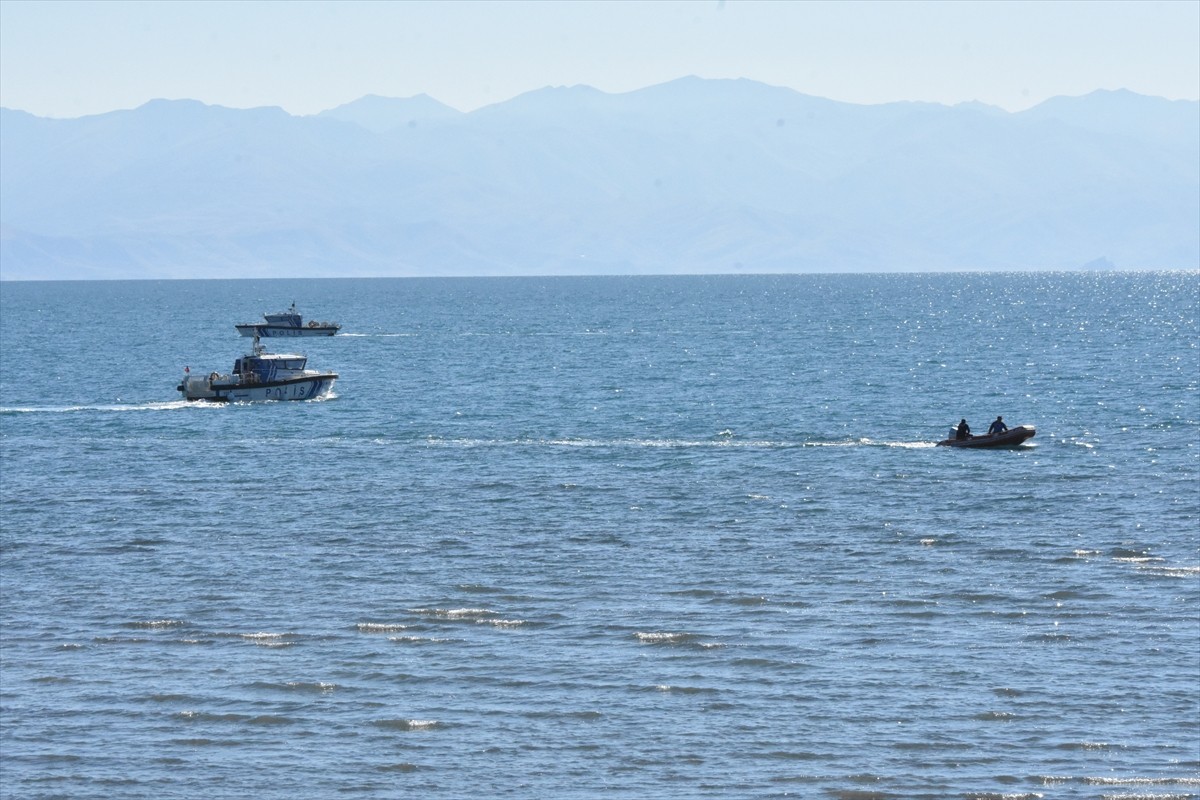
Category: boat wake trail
[373,335]
[169,405]
[720,443]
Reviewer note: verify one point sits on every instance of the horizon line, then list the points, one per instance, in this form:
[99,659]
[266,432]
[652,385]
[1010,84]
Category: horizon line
[553,87]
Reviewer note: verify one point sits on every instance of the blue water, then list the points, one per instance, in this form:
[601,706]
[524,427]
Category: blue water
[605,537]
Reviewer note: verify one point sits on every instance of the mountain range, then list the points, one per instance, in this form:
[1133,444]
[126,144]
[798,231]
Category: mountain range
[691,176]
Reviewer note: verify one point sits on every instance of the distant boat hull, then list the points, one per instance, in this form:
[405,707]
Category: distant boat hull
[1013,437]
[267,330]
[287,323]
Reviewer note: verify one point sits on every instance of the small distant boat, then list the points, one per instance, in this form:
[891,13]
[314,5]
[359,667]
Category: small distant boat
[259,375]
[1009,438]
[287,323]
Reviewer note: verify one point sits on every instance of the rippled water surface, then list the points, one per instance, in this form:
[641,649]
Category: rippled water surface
[605,537]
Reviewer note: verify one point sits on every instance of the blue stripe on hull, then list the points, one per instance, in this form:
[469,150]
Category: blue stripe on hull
[290,390]
[271,331]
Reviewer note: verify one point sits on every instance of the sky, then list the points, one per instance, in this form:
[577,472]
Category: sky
[62,58]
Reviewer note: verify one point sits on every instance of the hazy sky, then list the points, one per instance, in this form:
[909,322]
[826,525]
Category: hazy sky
[68,59]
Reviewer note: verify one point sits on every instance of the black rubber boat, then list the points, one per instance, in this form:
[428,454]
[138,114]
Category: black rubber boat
[1013,437]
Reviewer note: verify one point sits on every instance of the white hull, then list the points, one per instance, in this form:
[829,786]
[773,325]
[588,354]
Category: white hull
[226,390]
[275,331]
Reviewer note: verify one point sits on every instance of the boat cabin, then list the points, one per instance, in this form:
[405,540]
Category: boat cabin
[289,318]
[268,366]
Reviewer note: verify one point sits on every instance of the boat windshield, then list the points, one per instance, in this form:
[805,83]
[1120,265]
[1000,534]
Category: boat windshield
[292,363]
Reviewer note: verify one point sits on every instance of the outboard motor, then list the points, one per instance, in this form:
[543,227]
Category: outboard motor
[196,387]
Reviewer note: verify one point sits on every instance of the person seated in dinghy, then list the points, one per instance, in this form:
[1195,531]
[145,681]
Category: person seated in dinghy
[963,432]
[997,427]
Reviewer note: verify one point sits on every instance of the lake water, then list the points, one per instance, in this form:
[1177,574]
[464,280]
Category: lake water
[652,537]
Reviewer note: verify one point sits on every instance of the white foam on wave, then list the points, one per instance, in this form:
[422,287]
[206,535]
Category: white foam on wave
[266,639]
[157,624]
[468,614]
[311,686]
[407,724]
[1168,571]
[1118,781]
[672,689]
[422,724]
[671,639]
[380,627]
[661,637]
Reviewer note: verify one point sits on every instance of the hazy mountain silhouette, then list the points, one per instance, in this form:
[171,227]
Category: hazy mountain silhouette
[383,114]
[689,176]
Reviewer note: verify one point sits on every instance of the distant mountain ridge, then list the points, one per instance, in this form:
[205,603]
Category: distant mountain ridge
[693,175]
[383,114]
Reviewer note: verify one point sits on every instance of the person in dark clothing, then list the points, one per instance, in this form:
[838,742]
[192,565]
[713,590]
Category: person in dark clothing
[964,431]
[998,426]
